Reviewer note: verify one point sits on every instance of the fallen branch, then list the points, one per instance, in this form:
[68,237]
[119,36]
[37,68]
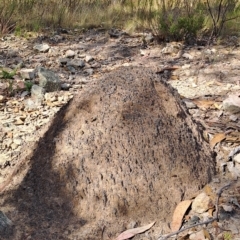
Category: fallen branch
[219,192]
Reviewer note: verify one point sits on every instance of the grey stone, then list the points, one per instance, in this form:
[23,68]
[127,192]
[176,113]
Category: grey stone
[233,118]
[89,58]
[63,61]
[2,98]
[5,223]
[24,94]
[149,38]
[48,80]
[190,104]
[187,56]
[37,92]
[71,69]
[76,63]
[65,86]
[42,47]
[232,104]
[27,73]
[70,54]
[88,71]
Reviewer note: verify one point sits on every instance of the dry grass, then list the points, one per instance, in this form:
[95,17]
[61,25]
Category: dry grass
[156,15]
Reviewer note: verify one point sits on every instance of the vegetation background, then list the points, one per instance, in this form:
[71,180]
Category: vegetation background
[167,19]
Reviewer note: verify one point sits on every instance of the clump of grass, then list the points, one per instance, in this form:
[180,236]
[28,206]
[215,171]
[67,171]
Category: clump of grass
[9,77]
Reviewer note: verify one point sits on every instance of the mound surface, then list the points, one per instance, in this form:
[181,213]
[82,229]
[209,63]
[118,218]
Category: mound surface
[123,151]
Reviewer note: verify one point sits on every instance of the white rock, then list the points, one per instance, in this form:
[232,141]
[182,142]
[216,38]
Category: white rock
[232,104]
[17,141]
[70,54]
[89,58]
[236,158]
[187,56]
[201,203]
[2,98]
[42,47]
[27,73]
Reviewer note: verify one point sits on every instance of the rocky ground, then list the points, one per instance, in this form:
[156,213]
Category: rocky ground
[207,78]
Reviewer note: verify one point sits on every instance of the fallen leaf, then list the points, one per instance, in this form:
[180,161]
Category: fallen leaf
[179,213]
[132,232]
[206,234]
[204,104]
[210,211]
[216,139]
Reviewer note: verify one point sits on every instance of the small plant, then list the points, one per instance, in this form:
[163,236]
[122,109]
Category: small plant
[28,85]
[221,12]
[227,236]
[8,76]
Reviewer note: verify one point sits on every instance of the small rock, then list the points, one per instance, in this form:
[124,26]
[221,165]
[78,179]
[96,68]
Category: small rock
[5,223]
[70,54]
[149,38]
[24,94]
[63,61]
[190,104]
[12,53]
[88,71]
[42,47]
[227,208]
[37,92]
[96,65]
[27,73]
[2,98]
[48,80]
[224,215]
[232,104]
[187,56]
[14,146]
[76,63]
[201,203]
[18,122]
[71,69]
[3,159]
[233,118]
[57,38]
[236,158]
[65,86]
[89,58]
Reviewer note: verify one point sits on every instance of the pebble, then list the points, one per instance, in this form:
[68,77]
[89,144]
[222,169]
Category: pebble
[89,58]
[42,47]
[201,203]
[76,63]
[70,54]
[27,73]
[2,98]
